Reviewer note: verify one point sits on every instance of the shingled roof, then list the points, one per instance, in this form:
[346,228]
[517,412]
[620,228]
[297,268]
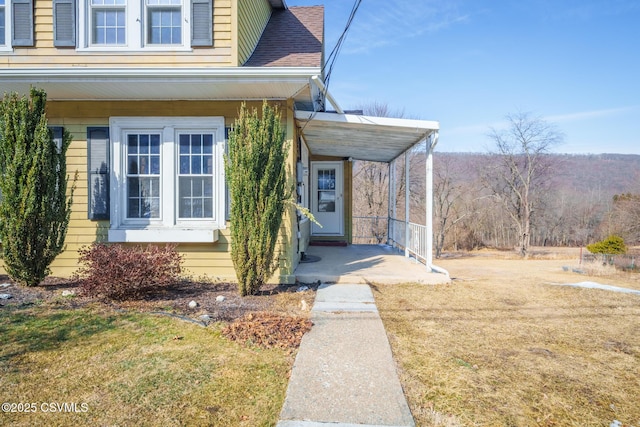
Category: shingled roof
[293,38]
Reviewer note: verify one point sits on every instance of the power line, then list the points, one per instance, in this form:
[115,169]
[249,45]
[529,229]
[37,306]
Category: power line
[331,59]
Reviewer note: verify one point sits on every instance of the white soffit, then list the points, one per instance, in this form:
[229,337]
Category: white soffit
[228,83]
[379,139]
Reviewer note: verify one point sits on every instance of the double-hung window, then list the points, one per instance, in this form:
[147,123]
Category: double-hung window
[164,22]
[195,176]
[144,24]
[167,179]
[143,175]
[3,23]
[108,22]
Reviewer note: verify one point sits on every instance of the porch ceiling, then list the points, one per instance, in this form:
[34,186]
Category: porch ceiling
[379,139]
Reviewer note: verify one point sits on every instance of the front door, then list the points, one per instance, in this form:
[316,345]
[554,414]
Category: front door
[327,198]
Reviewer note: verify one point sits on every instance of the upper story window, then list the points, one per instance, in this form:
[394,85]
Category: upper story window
[164,21]
[16,24]
[3,23]
[108,25]
[144,24]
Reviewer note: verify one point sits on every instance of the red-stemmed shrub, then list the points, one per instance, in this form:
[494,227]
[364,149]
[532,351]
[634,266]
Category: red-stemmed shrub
[120,272]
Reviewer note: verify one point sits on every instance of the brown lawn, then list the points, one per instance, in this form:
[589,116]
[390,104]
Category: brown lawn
[503,346]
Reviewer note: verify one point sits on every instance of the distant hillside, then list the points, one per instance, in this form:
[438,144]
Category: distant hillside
[608,174]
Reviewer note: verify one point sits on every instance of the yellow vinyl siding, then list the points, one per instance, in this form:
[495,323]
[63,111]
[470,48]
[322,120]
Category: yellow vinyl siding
[253,16]
[45,54]
[212,260]
[222,24]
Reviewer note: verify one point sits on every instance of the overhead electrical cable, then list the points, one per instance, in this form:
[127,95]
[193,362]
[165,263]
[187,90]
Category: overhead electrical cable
[331,59]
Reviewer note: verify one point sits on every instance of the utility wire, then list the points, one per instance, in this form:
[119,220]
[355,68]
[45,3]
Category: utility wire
[331,59]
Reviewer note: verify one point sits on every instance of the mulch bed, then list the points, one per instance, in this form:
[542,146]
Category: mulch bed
[271,319]
[268,330]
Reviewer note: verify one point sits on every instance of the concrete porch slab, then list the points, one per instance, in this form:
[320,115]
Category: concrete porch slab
[360,264]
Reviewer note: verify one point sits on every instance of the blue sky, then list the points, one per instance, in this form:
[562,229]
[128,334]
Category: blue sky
[469,63]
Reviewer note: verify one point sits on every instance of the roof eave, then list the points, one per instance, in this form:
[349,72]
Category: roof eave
[123,83]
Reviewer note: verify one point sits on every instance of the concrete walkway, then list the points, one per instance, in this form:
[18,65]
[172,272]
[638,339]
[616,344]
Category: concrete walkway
[344,374]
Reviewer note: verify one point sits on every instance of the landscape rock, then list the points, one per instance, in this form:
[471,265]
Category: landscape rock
[5,285]
[67,293]
[205,318]
[5,296]
[193,304]
[302,288]
[220,298]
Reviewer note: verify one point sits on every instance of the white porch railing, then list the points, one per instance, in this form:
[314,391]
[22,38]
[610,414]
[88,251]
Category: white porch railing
[377,229]
[417,244]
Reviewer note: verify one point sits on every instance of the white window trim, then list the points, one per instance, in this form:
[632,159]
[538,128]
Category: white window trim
[167,228]
[6,47]
[136,30]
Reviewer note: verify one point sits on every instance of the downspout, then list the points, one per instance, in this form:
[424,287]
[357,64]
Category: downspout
[429,206]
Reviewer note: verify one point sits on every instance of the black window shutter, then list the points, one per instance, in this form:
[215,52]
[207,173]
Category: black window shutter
[98,172]
[201,23]
[58,132]
[22,28]
[64,23]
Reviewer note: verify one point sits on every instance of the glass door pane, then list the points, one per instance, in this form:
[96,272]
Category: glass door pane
[326,190]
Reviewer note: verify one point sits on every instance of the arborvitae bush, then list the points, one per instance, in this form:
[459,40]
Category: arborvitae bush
[255,170]
[612,245]
[34,208]
[119,272]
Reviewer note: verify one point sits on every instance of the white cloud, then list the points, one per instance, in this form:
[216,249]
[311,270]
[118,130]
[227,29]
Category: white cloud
[387,23]
[588,115]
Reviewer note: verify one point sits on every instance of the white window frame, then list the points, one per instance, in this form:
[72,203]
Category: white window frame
[7,27]
[90,23]
[136,29]
[168,227]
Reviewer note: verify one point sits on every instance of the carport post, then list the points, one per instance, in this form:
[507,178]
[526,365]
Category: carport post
[406,204]
[392,204]
[433,140]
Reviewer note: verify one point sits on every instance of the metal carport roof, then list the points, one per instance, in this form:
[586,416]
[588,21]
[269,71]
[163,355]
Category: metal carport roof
[379,139]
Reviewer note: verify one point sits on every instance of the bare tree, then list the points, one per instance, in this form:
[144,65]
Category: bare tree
[624,217]
[371,182]
[521,169]
[448,205]
[371,179]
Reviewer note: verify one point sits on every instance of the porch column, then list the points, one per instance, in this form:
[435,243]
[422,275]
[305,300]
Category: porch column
[391,203]
[406,203]
[433,140]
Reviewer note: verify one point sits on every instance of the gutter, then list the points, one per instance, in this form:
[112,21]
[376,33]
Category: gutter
[81,73]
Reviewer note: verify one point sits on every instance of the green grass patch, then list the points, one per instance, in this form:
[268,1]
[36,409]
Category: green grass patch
[133,369]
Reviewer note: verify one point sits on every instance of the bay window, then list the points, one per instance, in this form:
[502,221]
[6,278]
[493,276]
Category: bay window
[167,179]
